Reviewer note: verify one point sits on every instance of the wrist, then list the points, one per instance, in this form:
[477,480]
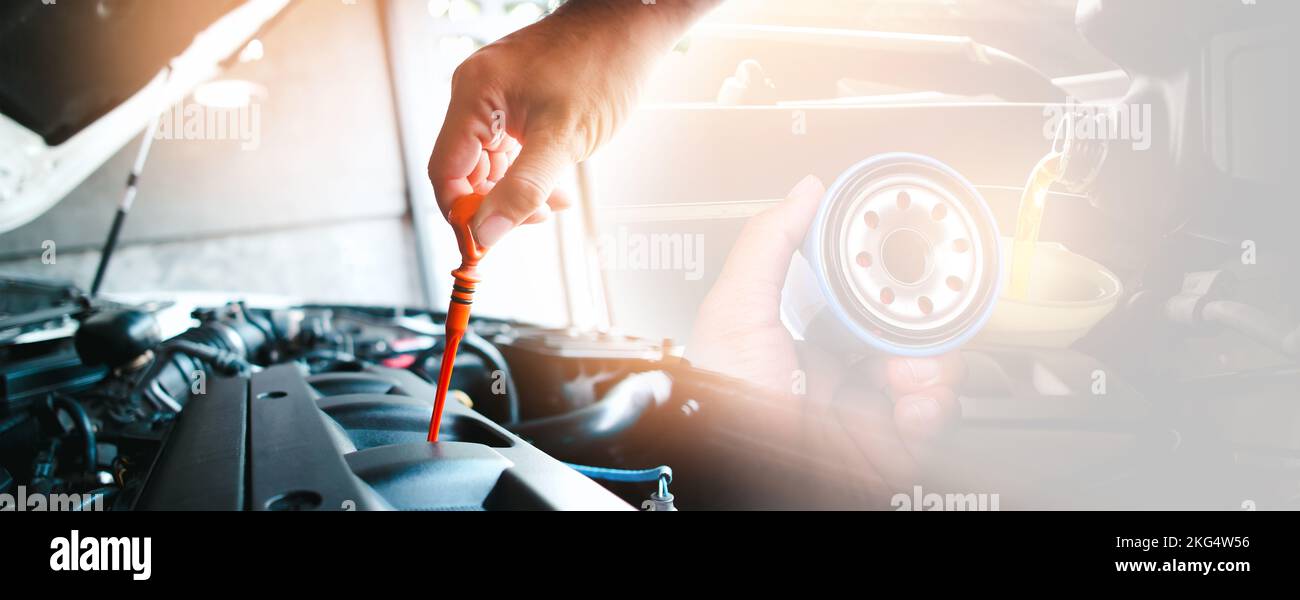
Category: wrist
[653,25]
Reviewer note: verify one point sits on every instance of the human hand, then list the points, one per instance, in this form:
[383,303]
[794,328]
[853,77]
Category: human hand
[528,107]
[738,332]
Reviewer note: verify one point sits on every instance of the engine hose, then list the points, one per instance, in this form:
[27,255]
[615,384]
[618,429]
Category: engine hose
[493,361]
[223,361]
[169,381]
[497,362]
[663,474]
[625,475]
[82,420]
[616,413]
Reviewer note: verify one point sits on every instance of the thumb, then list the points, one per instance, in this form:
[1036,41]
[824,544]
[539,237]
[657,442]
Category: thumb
[521,192]
[756,267]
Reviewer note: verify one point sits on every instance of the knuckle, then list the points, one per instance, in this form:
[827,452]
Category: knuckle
[476,71]
[467,71]
[567,131]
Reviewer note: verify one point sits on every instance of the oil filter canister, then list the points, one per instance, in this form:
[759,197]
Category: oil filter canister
[902,258]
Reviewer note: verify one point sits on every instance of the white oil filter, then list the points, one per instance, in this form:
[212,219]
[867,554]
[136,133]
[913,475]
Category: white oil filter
[902,258]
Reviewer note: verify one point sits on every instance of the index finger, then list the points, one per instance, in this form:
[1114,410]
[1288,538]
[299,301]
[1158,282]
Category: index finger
[465,134]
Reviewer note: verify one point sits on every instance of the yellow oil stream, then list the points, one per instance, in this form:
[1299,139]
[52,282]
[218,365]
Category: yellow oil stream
[1028,222]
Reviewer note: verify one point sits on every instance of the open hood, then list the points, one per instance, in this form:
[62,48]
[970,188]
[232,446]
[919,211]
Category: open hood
[81,78]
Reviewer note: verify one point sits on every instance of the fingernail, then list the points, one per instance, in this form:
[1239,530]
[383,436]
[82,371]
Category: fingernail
[808,185]
[923,409]
[492,229]
[923,372]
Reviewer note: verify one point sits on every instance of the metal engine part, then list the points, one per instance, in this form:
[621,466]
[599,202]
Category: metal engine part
[902,258]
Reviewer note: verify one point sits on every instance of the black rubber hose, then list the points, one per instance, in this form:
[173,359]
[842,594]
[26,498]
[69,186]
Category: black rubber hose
[82,420]
[615,413]
[497,361]
[224,362]
[493,360]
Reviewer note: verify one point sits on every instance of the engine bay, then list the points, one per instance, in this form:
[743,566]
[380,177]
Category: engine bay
[326,408]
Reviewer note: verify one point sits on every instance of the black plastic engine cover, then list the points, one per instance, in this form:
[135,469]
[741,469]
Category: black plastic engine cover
[280,440]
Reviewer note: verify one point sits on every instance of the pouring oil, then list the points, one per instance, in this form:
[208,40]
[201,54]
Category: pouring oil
[1029,220]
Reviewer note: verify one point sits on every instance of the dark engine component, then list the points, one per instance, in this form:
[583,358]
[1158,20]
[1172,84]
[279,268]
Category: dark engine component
[561,371]
[150,380]
[582,393]
[285,409]
[117,338]
[585,433]
[283,440]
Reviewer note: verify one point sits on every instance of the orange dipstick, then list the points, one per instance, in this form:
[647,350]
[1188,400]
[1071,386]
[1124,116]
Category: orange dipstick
[462,295]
